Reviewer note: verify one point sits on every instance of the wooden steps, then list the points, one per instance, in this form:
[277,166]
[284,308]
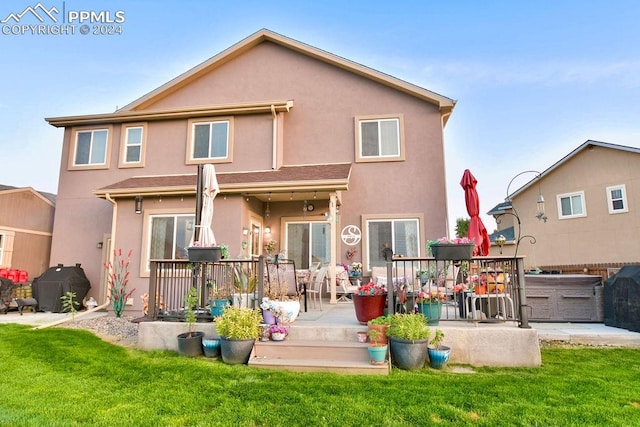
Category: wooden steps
[301,355]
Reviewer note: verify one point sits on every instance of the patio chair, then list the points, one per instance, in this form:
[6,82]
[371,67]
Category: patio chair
[284,272]
[344,285]
[314,289]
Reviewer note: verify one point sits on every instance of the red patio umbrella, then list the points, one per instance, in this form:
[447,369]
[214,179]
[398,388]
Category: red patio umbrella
[477,231]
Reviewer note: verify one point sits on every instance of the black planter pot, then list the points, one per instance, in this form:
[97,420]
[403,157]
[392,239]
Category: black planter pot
[190,344]
[408,354]
[236,352]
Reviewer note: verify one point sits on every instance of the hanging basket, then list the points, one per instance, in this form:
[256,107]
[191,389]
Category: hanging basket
[452,252]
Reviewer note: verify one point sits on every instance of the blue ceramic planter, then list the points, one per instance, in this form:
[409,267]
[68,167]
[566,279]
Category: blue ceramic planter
[438,357]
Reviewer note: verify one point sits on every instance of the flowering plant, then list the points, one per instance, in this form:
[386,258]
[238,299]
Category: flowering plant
[456,241]
[279,329]
[430,297]
[371,289]
[118,278]
[356,266]
[460,287]
[272,306]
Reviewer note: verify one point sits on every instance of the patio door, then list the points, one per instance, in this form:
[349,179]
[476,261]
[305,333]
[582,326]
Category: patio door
[308,242]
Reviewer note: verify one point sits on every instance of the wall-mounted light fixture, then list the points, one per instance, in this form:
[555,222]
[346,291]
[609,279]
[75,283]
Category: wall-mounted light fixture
[138,204]
[99,245]
[245,231]
[267,230]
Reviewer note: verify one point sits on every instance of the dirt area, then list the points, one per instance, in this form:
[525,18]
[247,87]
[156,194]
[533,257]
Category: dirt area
[121,331]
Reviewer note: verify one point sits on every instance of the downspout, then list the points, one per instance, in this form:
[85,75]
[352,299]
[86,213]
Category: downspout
[274,138]
[333,239]
[113,240]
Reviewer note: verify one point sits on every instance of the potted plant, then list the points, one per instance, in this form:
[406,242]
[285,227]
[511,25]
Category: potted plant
[270,311]
[220,297]
[460,248]
[190,342]
[379,324]
[369,302]
[377,349]
[430,304]
[238,328]
[408,340]
[278,332]
[355,269]
[438,353]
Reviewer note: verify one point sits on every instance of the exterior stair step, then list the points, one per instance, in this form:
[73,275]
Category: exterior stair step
[317,356]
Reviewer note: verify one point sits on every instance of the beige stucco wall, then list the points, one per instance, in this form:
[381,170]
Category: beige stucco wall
[599,237]
[318,129]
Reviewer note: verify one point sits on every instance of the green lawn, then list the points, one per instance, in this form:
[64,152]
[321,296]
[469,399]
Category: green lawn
[65,377]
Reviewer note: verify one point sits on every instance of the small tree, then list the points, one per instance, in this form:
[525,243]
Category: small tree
[69,304]
[462,227]
[190,303]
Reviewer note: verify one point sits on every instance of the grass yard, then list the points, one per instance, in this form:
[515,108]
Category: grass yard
[65,377]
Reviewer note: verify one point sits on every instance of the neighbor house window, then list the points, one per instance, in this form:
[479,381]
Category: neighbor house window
[90,148]
[210,140]
[379,138]
[169,236]
[133,145]
[401,235]
[571,205]
[617,199]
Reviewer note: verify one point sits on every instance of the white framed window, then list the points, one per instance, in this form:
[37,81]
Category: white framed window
[571,205]
[90,148]
[402,235]
[308,242]
[132,145]
[617,199]
[210,140]
[379,138]
[169,236]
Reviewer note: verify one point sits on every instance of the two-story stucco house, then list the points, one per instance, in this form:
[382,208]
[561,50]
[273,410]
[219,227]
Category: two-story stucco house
[591,205]
[311,150]
[26,224]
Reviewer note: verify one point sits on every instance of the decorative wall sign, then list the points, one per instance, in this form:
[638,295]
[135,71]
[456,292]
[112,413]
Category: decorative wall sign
[351,235]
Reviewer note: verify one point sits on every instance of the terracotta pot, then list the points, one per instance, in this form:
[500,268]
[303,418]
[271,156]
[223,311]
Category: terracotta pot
[368,307]
[382,336]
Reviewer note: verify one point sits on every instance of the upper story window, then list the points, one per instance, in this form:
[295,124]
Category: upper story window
[90,148]
[571,205]
[379,138]
[617,199]
[210,140]
[132,145]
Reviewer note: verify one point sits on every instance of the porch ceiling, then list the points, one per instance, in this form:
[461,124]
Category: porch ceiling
[287,183]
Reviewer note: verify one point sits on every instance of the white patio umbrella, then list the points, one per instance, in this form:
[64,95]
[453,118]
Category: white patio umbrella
[210,190]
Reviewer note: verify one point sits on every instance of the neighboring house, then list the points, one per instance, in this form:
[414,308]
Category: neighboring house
[310,150]
[26,225]
[592,205]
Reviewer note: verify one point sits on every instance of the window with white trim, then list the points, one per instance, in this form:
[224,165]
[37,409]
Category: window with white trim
[571,205]
[169,236]
[308,242]
[210,140]
[617,199]
[379,138]
[133,145]
[401,235]
[91,147]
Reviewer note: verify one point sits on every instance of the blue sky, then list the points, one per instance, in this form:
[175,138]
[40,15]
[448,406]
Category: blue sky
[532,79]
